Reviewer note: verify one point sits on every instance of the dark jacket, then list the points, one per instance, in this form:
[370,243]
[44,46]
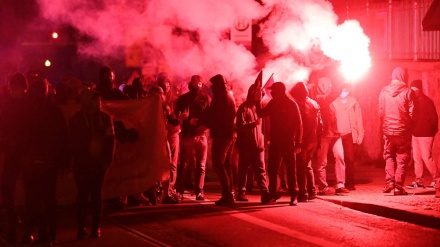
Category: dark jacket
[325,96]
[286,126]
[196,103]
[92,140]
[249,132]
[45,138]
[396,108]
[425,118]
[220,116]
[312,122]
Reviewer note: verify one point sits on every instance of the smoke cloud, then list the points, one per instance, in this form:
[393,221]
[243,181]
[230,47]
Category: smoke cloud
[191,36]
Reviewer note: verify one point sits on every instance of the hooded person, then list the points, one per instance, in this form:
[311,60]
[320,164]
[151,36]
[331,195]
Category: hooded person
[286,133]
[220,119]
[351,129]
[424,129]
[396,106]
[250,144]
[312,129]
[330,141]
[192,106]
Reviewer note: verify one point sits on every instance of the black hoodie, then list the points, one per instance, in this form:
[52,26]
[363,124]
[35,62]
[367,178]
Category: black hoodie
[396,105]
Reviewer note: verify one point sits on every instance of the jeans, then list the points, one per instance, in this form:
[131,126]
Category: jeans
[221,149]
[338,152]
[422,154]
[279,152]
[349,154]
[174,146]
[194,152]
[306,179]
[255,158]
[397,151]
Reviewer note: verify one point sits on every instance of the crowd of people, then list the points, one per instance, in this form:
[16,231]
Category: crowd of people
[45,131]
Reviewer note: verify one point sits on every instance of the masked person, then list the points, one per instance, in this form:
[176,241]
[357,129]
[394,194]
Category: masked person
[351,129]
[396,105]
[286,132]
[312,129]
[250,144]
[194,145]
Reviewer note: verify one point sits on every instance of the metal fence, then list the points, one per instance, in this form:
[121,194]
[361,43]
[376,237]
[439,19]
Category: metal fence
[395,28]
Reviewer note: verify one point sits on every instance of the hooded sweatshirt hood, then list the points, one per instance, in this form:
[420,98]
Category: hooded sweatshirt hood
[299,91]
[324,86]
[398,82]
[399,74]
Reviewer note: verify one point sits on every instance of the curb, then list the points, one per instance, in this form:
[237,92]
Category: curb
[389,212]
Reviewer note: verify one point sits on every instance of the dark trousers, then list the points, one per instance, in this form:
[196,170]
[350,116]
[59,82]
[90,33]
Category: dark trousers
[349,156]
[89,184]
[306,179]
[279,152]
[8,180]
[221,149]
[397,154]
[40,202]
[248,157]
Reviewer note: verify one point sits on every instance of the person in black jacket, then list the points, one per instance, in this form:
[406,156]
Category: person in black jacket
[194,145]
[396,106]
[312,122]
[424,129]
[44,154]
[11,130]
[220,119]
[250,144]
[92,141]
[286,132]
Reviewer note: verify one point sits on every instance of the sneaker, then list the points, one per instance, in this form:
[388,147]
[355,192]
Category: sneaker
[303,198]
[431,185]
[388,187]
[350,187]
[293,201]
[225,201]
[267,199]
[241,197]
[200,197]
[325,192]
[400,192]
[415,185]
[312,196]
[342,190]
[169,200]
